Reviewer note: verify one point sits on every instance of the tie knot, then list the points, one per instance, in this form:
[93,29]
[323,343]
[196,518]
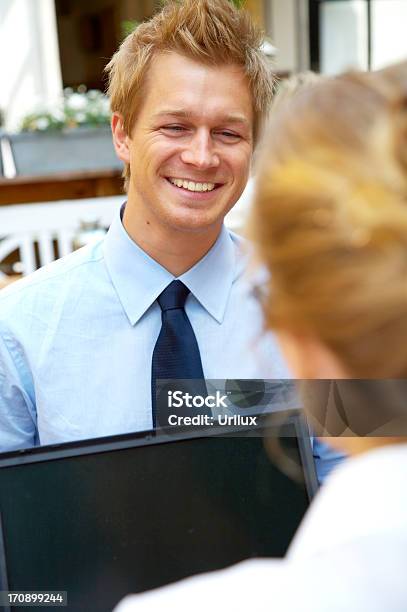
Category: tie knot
[173,296]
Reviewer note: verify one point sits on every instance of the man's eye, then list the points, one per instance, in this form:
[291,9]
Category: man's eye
[230,135]
[174,128]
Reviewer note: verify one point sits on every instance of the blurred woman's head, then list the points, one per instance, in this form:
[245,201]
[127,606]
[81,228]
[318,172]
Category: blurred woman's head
[331,224]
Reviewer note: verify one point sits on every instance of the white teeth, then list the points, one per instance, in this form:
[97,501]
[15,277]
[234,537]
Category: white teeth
[191,186]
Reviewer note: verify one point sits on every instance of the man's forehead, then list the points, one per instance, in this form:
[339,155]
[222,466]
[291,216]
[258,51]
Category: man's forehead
[179,87]
[233,117]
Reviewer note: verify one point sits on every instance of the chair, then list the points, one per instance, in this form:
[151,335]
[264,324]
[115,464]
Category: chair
[40,233]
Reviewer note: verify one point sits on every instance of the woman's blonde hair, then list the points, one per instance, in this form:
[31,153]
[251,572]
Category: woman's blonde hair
[213,32]
[330,218]
[286,88]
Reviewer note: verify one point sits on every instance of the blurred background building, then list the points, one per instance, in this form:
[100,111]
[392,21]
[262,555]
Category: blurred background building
[46,45]
[52,55]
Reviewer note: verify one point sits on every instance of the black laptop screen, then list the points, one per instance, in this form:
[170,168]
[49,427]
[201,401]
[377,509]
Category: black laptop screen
[103,524]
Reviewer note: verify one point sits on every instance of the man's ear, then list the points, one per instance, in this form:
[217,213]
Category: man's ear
[120,138]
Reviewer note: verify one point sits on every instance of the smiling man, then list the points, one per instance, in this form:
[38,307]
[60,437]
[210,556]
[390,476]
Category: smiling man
[83,341]
[164,296]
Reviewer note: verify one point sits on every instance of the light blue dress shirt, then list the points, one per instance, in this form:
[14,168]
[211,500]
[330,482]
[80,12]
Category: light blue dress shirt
[77,338]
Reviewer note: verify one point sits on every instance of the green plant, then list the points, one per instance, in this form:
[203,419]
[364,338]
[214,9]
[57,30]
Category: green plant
[77,108]
[129,26]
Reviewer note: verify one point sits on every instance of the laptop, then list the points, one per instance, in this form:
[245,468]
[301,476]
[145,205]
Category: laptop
[104,517]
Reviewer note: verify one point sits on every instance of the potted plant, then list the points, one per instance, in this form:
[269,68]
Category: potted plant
[74,136]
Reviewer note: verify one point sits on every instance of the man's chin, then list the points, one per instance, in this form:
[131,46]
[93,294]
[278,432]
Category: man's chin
[195,222]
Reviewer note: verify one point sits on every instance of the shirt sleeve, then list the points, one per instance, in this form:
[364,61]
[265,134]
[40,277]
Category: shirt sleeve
[326,458]
[17,409]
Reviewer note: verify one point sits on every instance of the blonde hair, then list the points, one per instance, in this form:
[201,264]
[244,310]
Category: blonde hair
[210,31]
[330,218]
[285,89]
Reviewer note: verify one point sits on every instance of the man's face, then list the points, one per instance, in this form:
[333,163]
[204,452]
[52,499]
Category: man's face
[191,145]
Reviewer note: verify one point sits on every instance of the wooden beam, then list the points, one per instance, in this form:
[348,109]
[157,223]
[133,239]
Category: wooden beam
[62,186]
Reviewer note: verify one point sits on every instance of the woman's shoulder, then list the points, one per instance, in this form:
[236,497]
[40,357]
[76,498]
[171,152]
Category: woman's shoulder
[365,497]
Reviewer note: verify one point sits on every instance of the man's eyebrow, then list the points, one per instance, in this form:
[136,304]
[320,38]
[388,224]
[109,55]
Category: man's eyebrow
[185,114]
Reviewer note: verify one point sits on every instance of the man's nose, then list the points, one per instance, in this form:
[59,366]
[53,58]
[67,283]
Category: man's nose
[201,152]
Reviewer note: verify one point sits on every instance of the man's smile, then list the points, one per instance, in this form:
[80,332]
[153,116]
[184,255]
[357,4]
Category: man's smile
[192,185]
[193,189]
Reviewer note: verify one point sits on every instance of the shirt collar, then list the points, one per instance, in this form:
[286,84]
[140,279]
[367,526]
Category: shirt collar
[138,279]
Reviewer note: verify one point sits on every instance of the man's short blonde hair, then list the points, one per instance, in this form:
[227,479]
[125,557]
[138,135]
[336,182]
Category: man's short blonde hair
[213,32]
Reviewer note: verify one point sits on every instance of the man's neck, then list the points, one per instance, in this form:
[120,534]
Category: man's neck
[175,250]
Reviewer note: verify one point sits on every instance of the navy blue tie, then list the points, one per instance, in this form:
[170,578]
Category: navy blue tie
[176,353]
